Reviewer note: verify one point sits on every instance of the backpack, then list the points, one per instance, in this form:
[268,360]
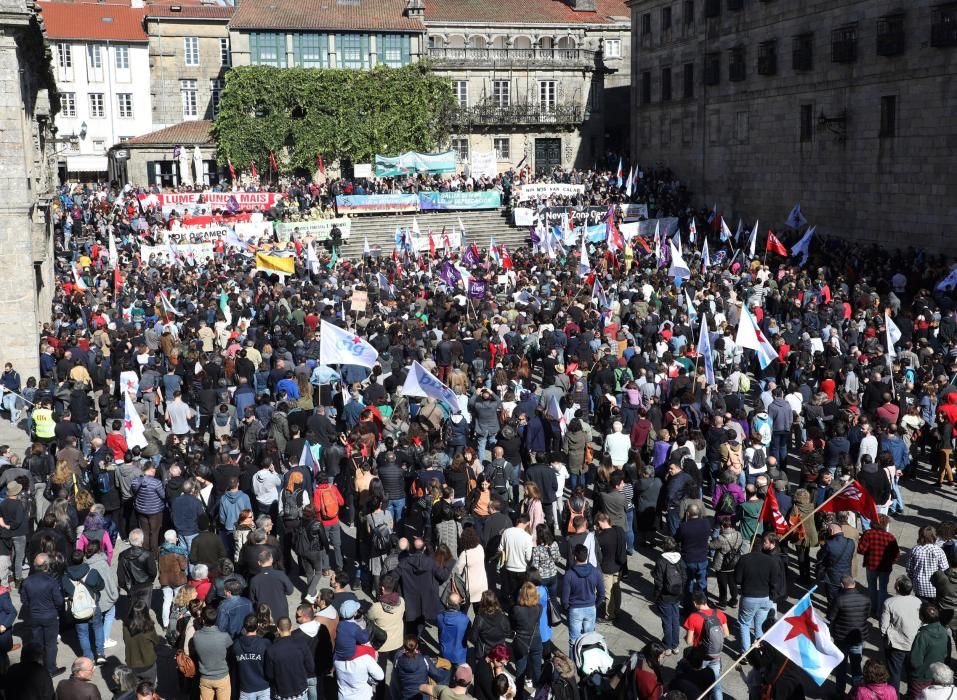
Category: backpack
[104,482]
[383,541]
[731,559]
[500,482]
[328,504]
[292,502]
[727,504]
[674,581]
[712,634]
[573,513]
[83,603]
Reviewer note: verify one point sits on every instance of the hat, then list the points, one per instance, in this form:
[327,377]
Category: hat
[348,609]
[13,488]
[464,674]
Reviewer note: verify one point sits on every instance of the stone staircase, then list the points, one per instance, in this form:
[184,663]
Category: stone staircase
[480,227]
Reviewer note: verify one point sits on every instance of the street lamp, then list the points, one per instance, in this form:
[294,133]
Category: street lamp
[83,130]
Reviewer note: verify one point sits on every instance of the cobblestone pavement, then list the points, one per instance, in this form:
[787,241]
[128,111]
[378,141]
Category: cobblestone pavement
[636,624]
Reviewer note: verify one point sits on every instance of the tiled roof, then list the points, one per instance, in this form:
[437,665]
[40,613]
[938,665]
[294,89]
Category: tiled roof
[522,12]
[190,11]
[182,134]
[317,15]
[92,21]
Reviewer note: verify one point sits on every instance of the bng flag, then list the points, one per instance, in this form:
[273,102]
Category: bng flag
[421,382]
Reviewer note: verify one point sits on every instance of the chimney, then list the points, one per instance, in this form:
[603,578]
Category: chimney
[415,9]
[582,5]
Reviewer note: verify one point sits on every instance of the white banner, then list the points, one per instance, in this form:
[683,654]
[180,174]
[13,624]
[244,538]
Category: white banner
[634,212]
[548,189]
[185,252]
[523,216]
[421,242]
[318,230]
[253,231]
[484,164]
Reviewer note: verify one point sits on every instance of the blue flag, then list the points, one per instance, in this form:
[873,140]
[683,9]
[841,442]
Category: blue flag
[704,349]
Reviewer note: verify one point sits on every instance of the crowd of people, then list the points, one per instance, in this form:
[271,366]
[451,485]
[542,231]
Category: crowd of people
[437,550]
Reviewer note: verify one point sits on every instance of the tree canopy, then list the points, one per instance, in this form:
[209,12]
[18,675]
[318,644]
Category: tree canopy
[338,113]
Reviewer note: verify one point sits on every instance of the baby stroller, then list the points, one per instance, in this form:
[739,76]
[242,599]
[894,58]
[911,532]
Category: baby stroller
[594,663]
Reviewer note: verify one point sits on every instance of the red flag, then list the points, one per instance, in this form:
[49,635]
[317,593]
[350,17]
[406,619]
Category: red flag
[853,498]
[117,280]
[642,243]
[506,259]
[395,255]
[253,171]
[320,164]
[272,162]
[771,513]
[232,171]
[431,245]
[446,243]
[776,246]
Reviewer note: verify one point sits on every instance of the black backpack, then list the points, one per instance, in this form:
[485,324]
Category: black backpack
[674,581]
[383,539]
[500,482]
[292,503]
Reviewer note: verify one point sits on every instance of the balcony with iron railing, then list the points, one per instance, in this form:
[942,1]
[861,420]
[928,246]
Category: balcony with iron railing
[553,58]
[518,114]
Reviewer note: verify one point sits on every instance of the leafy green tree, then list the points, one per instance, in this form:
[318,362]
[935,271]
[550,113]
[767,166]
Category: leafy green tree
[339,113]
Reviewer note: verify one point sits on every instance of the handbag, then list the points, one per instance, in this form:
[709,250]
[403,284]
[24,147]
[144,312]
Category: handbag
[185,664]
[554,614]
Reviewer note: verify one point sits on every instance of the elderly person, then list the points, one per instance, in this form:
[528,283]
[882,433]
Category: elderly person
[942,683]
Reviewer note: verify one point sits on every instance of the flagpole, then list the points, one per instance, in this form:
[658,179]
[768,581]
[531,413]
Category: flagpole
[813,512]
[778,620]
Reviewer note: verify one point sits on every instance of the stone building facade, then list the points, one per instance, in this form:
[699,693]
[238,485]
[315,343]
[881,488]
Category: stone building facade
[189,52]
[845,106]
[27,106]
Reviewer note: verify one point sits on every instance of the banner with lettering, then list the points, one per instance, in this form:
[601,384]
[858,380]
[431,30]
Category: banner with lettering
[544,190]
[176,253]
[318,230]
[634,212]
[240,201]
[376,203]
[488,199]
[646,229]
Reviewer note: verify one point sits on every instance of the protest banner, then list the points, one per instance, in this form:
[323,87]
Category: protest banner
[634,212]
[318,230]
[488,199]
[548,189]
[176,253]
[376,203]
[360,298]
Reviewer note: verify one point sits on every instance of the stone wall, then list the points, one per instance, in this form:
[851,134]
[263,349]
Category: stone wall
[740,143]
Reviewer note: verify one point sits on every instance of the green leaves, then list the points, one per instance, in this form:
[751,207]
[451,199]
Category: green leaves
[339,113]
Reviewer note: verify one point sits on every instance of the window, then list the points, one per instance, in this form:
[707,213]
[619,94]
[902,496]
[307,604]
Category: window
[191,50]
[665,18]
[94,57]
[394,50]
[712,68]
[736,67]
[99,145]
[64,55]
[646,24]
[844,44]
[768,58]
[460,88]
[121,57]
[311,50]
[68,104]
[646,87]
[666,84]
[267,49]
[688,12]
[216,86]
[461,148]
[888,116]
[613,48]
[547,94]
[225,56]
[503,148]
[501,93]
[890,35]
[807,123]
[802,57]
[353,50]
[124,104]
[712,8]
[943,25]
[688,81]
[187,90]
[97,108]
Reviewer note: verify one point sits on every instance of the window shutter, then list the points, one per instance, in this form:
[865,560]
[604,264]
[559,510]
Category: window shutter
[151,172]
[406,50]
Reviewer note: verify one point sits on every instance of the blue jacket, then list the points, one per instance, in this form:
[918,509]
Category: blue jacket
[149,494]
[250,655]
[535,434]
[185,511]
[544,628]
[230,506]
[348,636]
[453,626]
[582,587]
[8,615]
[243,397]
[898,451]
[231,614]
[408,674]
[41,597]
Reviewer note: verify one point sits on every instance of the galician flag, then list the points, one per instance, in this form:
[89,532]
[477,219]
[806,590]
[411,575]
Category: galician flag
[619,174]
[584,267]
[693,232]
[692,312]
[629,183]
[310,457]
[802,247]
[132,425]
[679,268]
[752,243]
[705,256]
[340,347]
[725,231]
[421,382]
[554,412]
[893,334]
[750,336]
[803,637]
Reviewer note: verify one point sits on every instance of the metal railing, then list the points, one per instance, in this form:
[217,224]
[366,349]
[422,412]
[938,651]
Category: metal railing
[552,57]
[525,113]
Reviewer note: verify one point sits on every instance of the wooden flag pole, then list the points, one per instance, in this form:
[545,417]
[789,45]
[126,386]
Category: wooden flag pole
[813,512]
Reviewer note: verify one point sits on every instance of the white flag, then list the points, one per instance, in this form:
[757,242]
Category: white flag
[421,382]
[754,240]
[340,347]
[705,256]
[725,231]
[168,305]
[554,411]
[366,250]
[750,336]
[415,226]
[583,265]
[114,258]
[679,268]
[893,334]
[630,182]
[80,284]
[133,426]
[312,260]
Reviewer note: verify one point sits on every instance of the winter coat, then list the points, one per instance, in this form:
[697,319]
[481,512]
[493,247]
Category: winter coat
[471,567]
[411,672]
[873,691]
[848,616]
[534,438]
[111,590]
[172,562]
[799,512]
[279,430]
[834,559]
[931,644]
[946,584]
[575,444]
[582,586]
[419,576]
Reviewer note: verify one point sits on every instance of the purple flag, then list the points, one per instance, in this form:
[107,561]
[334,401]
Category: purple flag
[477,288]
[470,256]
[449,274]
[533,234]
[232,206]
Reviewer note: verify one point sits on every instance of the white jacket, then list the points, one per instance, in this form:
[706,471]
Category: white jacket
[354,676]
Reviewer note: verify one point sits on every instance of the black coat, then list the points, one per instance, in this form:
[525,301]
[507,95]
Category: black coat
[271,587]
[848,616]
[546,479]
[419,576]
